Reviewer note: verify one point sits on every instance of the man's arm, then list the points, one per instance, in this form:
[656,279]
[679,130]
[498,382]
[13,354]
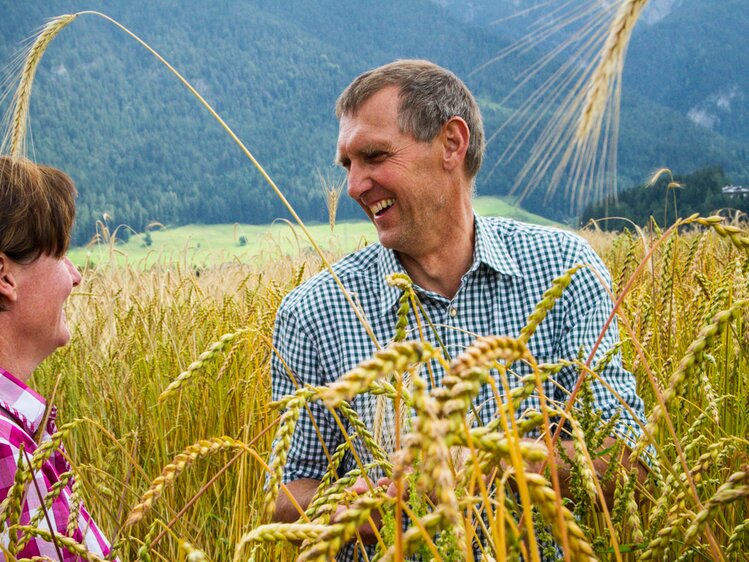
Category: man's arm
[296,363]
[303,491]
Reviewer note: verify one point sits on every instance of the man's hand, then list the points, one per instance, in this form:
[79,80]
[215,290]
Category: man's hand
[362,486]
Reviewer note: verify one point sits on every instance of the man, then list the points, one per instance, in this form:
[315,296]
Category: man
[411,139]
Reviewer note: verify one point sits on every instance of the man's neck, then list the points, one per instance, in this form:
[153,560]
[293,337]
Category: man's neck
[441,269]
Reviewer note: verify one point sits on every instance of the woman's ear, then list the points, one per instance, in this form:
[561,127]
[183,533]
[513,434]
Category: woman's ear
[8,284]
[455,137]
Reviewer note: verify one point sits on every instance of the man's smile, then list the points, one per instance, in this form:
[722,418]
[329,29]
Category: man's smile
[381,206]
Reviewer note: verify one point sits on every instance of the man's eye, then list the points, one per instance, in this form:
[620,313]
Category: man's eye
[378,156]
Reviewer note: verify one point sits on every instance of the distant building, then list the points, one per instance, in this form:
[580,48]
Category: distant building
[736,191]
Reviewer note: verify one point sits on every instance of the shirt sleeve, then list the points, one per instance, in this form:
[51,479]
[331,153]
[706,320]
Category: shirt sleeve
[588,306]
[295,364]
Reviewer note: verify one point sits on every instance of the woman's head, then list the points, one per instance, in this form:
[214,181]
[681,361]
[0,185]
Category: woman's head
[37,207]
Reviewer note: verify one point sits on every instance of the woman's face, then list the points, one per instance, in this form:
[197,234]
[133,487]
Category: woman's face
[42,287]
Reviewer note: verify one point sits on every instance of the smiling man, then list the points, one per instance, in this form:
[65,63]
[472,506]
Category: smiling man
[411,139]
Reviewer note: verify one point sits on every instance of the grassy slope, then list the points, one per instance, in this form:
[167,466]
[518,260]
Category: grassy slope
[203,244]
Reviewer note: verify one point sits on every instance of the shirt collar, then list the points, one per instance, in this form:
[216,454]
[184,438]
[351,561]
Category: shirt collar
[24,403]
[387,263]
[489,249]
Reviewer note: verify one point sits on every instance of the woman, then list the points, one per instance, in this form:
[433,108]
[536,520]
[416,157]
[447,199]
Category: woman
[37,206]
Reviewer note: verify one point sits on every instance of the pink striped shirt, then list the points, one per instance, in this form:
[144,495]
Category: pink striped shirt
[21,413]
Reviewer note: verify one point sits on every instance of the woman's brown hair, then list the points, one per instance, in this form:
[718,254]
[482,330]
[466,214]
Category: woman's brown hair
[37,208]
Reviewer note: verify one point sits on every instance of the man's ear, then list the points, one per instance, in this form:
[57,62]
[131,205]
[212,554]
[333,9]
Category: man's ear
[8,284]
[455,137]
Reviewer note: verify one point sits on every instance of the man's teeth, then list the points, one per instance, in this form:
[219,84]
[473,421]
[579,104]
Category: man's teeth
[381,205]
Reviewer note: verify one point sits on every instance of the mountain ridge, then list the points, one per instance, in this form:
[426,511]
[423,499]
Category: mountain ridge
[141,149]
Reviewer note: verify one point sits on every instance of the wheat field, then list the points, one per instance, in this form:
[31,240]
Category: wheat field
[168,467]
[166,414]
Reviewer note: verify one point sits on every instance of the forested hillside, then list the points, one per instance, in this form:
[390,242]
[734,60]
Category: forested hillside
[692,58]
[700,192]
[141,149]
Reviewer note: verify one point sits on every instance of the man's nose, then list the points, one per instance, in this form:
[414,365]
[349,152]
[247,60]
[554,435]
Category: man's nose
[358,181]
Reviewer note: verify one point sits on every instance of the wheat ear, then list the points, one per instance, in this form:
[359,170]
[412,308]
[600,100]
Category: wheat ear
[47,448]
[543,497]
[10,509]
[167,477]
[549,299]
[336,535]
[401,281]
[185,376]
[470,369]
[738,237]
[735,488]
[360,428]
[66,542]
[54,492]
[432,434]
[281,446]
[75,502]
[287,532]
[396,357]
[22,97]
[689,363]
[609,68]
[741,531]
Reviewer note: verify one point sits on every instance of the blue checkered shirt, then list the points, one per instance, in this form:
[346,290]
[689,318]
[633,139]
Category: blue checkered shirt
[319,337]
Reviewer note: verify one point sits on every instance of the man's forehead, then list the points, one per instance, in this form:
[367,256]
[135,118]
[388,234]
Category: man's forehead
[360,135]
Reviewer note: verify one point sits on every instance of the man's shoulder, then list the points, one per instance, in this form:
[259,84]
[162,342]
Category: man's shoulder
[321,290]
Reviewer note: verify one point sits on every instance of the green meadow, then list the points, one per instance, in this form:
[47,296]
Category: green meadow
[203,244]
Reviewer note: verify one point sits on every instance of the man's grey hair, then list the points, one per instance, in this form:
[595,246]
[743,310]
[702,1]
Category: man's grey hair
[429,97]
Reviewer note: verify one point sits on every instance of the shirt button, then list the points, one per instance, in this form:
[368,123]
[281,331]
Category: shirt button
[453,311]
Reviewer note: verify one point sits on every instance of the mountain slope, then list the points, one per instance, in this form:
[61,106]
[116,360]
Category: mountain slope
[141,149]
[693,59]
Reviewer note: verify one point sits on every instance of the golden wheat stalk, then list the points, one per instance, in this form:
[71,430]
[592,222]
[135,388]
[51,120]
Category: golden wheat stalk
[330,541]
[280,452]
[10,508]
[331,190]
[688,365]
[201,449]
[54,492]
[47,448]
[609,69]
[544,498]
[208,355]
[734,489]
[16,138]
[283,532]
[396,357]
[69,544]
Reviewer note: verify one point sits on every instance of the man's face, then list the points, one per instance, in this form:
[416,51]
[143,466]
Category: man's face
[398,181]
